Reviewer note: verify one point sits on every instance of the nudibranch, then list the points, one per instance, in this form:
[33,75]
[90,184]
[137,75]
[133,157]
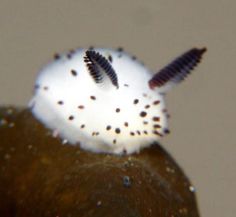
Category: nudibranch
[105,100]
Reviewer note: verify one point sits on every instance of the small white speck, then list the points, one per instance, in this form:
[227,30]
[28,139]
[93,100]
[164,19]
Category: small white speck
[170,170]
[191,188]
[3,122]
[11,125]
[130,158]
[99,203]
[183,211]
[64,141]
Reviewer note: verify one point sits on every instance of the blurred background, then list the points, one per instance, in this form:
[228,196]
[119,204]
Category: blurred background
[202,108]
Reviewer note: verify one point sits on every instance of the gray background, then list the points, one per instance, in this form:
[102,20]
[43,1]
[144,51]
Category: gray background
[202,108]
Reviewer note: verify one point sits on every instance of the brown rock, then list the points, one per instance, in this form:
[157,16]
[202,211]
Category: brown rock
[39,176]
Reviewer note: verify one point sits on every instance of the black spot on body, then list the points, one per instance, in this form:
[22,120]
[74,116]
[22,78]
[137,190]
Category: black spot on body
[118,110]
[92,97]
[108,127]
[147,106]
[145,122]
[156,119]
[136,101]
[138,132]
[166,131]
[143,114]
[60,102]
[132,133]
[57,56]
[81,107]
[120,49]
[110,58]
[37,86]
[114,141]
[73,72]
[157,126]
[126,85]
[46,88]
[156,102]
[126,124]
[157,133]
[71,51]
[134,57]
[117,130]
[82,126]
[164,110]
[95,133]
[69,55]
[71,118]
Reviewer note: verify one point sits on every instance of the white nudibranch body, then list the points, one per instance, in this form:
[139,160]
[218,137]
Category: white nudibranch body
[105,100]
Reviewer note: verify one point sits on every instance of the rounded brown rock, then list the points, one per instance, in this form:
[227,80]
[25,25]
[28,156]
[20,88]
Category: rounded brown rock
[41,176]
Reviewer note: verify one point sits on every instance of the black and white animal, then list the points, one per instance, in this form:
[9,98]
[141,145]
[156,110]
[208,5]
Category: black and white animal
[105,100]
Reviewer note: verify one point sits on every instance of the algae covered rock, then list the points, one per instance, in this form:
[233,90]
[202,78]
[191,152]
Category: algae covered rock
[40,175]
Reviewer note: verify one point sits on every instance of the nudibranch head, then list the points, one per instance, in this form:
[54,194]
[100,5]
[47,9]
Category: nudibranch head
[106,100]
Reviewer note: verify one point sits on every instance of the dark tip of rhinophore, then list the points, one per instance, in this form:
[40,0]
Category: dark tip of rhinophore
[120,49]
[203,50]
[56,56]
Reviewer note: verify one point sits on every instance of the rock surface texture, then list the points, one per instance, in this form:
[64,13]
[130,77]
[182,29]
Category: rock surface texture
[42,176]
